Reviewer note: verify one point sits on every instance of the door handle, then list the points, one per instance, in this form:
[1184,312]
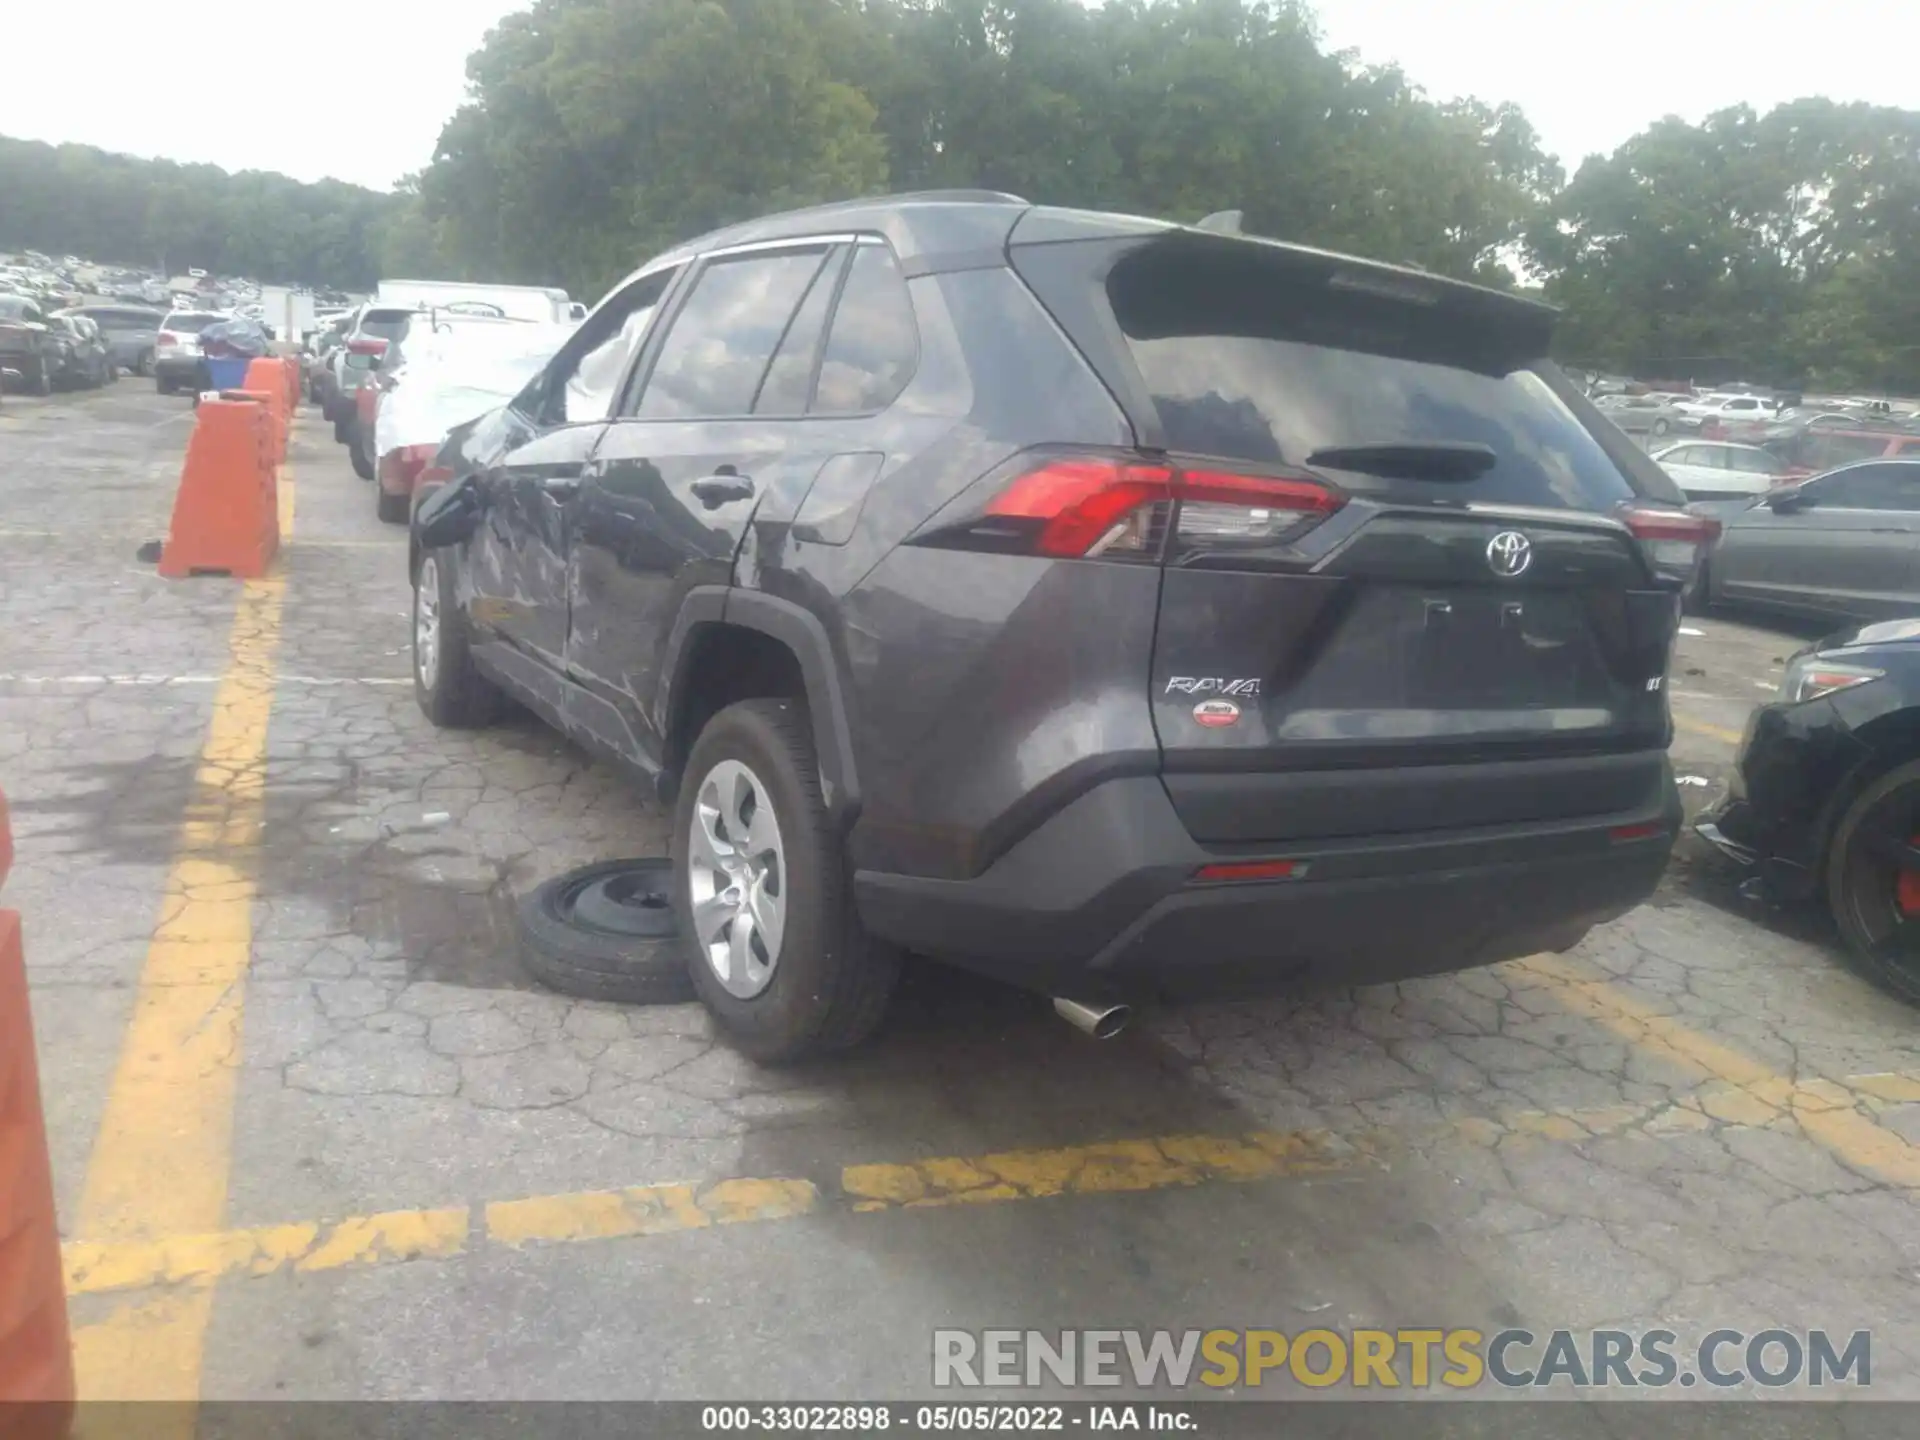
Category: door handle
[713,491]
[561,486]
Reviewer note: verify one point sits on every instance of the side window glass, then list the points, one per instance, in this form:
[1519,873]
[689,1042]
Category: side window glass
[721,340]
[872,346]
[789,377]
[589,389]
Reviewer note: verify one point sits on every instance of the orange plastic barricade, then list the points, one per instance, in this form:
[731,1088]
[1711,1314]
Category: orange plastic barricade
[36,1360]
[226,516]
[267,379]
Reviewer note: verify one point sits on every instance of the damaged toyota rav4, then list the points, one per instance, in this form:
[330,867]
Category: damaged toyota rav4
[1123,609]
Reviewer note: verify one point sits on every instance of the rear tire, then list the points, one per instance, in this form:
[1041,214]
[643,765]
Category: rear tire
[394,509]
[362,466]
[1862,883]
[452,693]
[42,378]
[830,981]
[342,432]
[143,367]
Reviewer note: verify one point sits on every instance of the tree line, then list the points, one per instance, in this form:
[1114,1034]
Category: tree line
[597,132]
[117,209]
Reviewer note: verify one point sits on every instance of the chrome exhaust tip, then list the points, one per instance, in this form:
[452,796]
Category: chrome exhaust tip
[1102,1022]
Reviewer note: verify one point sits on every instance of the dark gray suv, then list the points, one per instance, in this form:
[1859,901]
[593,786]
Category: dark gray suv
[1123,609]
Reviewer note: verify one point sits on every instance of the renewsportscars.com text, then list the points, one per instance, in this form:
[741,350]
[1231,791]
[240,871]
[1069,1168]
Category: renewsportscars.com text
[1458,1359]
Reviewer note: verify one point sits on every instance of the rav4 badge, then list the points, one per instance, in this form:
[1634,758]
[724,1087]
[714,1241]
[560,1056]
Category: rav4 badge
[1215,713]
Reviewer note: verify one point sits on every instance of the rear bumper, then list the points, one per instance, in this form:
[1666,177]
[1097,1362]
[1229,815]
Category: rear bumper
[177,367]
[1099,902]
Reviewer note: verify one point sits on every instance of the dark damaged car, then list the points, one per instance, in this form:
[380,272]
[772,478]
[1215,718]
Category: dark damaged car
[1122,609]
[1824,802]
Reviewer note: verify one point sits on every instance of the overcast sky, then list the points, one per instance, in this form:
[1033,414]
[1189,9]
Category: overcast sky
[1587,75]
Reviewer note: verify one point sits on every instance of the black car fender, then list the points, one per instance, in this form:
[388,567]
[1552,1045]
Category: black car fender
[801,632]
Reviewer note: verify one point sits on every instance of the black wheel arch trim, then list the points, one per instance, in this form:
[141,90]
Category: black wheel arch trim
[801,632]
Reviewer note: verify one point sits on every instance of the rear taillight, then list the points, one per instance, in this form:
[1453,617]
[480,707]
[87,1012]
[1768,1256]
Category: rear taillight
[168,339]
[407,466]
[366,345]
[1674,541]
[1092,506]
[1711,429]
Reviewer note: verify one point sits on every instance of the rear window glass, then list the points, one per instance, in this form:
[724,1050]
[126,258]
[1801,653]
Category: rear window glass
[189,322]
[386,324]
[1246,362]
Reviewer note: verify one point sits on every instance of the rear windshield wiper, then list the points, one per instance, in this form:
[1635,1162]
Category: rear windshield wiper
[1446,460]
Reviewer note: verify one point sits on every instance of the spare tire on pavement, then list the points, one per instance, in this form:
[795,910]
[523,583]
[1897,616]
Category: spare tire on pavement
[606,932]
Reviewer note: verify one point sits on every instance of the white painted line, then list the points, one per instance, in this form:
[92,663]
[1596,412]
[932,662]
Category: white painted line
[1689,630]
[1767,685]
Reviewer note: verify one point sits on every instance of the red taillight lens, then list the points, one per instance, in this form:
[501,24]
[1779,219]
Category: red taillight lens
[407,466]
[1713,430]
[366,345]
[1086,506]
[1081,507]
[167,337]
[1674,541]
[1251,870]
[1623,833]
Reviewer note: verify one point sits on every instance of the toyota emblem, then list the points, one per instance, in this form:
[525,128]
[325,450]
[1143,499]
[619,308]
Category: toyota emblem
[1509,554]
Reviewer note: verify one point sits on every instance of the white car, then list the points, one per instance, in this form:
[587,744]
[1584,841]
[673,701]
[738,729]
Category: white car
[1719,470]
[447,375]
[1729,407]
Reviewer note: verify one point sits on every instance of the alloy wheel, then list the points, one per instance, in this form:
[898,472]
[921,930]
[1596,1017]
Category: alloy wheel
[737,873]
[426,623]
[1881,887]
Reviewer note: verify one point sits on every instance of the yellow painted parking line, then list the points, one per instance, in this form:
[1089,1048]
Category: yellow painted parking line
[1170,1161]
[1154,1164]
[160,1161]
[646,1210]
[283,487]
[1832,1113]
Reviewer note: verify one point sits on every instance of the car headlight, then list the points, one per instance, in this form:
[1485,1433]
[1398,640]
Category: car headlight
[1811,677]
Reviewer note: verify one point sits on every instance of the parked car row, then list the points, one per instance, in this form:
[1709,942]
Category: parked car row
[395,380]
[41,352]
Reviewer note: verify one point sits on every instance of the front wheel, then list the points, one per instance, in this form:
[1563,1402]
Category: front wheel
[762,893]
[452,693]
[1873,880]
[1660,426]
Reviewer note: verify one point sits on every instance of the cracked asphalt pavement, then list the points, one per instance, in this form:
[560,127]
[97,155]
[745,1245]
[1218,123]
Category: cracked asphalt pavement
[430,1177]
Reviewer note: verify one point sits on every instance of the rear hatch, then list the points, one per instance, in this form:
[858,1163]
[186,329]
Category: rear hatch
[179,332]
[1408,581]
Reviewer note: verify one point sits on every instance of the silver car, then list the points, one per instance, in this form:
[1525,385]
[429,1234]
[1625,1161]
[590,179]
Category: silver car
[1845,544]
[1645,414]
[131,333]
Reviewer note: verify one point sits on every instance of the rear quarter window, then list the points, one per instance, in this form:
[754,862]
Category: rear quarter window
[1248,360]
